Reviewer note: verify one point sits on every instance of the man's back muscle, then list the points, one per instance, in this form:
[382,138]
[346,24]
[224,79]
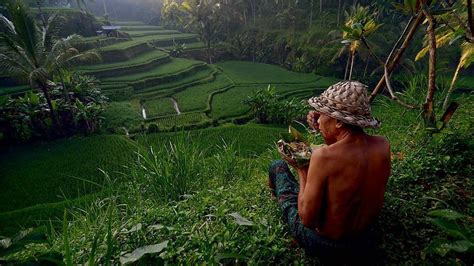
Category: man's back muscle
[357,172]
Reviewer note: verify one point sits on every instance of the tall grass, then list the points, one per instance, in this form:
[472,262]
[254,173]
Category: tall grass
[170,171]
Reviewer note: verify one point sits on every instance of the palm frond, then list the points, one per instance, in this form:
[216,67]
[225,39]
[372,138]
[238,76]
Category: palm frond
[26,28]
[67,60]
[8,24]
[442,39]
[11,66]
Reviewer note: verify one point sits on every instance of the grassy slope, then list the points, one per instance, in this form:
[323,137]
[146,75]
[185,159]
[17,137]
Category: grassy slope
[44,173]
[38,175]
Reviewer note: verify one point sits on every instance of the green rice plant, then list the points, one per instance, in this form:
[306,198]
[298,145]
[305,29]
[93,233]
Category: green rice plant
[176,121]
[135,34]
[50,172]
[155,39]
[170,68]
[251,139]
[140,60]
[230,102]
[248,72]
[159,107]
[177,82]
[197,97]
[128,23]
[140,28]
[189,46]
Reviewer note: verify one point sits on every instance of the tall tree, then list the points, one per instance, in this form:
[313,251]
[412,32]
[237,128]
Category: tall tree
[204,17]
[31,52]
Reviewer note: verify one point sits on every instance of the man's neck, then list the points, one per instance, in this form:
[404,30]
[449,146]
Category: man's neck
[347,134]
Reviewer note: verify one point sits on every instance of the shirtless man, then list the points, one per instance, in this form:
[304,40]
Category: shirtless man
[342,190]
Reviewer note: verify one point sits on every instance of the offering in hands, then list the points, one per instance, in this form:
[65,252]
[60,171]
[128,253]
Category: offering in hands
[294,146]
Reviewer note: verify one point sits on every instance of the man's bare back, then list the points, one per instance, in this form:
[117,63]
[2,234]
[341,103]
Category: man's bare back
[356,171]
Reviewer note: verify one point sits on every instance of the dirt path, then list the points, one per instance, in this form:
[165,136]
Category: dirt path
[175,104]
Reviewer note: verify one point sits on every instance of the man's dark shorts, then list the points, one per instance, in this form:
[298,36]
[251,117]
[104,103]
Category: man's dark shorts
[286,191]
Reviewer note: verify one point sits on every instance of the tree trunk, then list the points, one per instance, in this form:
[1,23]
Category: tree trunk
[338,12]
[451,87]
[347,65]
[393,62]
[311,14]
[470,20]
[352,65]
[428,108]
[52,113]
[320,6]
[209,56]
[365,69]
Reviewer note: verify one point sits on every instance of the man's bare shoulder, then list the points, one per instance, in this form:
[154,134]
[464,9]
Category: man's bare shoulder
[380,141]
[321,152]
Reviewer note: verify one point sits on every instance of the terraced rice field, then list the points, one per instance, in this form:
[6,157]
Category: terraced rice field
[140,73]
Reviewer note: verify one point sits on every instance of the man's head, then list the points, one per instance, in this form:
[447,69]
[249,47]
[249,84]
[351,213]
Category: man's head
[343,106]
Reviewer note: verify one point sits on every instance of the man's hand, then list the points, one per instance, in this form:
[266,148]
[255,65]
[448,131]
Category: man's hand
[312,119]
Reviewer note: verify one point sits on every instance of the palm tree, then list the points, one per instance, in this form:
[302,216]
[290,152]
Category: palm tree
[359,24]
[204,16]
[30,52]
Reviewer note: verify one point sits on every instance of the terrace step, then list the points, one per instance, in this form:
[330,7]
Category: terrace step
[135,34]
[127,50]
[128,23]
[97,42]
[202,76]
[165,73]
[141,63]
[140,28]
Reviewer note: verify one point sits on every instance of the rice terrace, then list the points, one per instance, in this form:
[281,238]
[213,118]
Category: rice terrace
[309,132]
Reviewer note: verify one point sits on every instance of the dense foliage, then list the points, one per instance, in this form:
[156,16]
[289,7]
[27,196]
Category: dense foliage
[77,102]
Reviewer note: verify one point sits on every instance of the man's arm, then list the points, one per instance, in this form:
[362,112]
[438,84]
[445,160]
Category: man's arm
[312,186]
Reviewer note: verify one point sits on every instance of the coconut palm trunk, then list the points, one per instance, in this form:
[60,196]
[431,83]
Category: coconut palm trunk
[44,88]
[428,106]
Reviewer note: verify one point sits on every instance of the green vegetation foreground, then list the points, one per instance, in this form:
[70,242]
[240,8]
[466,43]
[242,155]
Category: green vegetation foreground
[218,209]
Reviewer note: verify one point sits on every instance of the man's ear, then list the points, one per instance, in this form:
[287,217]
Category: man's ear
[339,124]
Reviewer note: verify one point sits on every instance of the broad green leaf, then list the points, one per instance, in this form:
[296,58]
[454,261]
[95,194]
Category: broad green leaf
[460,245]
[287,137]
[299,126]
[241,220]
[450,227]
[446,214]
[438,246]
[138,253]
